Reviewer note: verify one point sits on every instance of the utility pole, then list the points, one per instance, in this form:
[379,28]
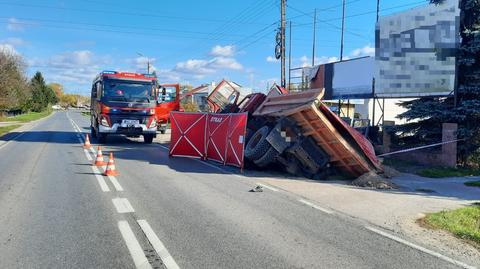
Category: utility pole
[378,8]
[148,61]
[314,36]
[343,29]
[289,53]
[282,30]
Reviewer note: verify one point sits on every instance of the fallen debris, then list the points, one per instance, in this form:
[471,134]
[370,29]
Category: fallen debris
[375,181]
[258,188]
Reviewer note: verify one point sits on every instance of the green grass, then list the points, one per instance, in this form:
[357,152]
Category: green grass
[30,116]
[6,129]
[463,223]
[473,183]
[85,113]
[439,172]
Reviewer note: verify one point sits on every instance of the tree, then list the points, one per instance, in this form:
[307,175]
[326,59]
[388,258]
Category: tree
[14,90]
[57,88]
[42,95]
[429,113]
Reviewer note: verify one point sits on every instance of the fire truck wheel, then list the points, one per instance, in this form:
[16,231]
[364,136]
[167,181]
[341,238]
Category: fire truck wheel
[258,145]
[102,138]
[148,138]
[93,133]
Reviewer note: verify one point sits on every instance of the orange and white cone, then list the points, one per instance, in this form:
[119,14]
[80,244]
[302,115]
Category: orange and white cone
[99,160]
[87,144]
[111,171]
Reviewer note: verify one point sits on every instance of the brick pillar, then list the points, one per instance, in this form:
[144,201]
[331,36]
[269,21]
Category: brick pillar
[387,141]
[449,151]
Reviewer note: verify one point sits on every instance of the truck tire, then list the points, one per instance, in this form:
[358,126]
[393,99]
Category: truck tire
[258,145]
[102,138]
[148,138]
[163,131]
[267,158]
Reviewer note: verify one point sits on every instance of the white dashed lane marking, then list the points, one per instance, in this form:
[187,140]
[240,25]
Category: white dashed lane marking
[159,247]
[133,246]
[122,205]
[100,179]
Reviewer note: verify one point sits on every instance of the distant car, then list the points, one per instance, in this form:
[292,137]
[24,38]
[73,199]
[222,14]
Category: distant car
[57,107]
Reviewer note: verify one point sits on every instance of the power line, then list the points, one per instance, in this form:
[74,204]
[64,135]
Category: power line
[103,25]
[329,24]
[367,12]
[184,18]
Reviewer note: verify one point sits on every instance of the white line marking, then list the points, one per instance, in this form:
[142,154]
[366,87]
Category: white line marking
[115,183]
[87,155]
[431,252]
[101,181]
[162,251]
[315,206]
[93,151]
[267,187]
[133,246]
[122,205]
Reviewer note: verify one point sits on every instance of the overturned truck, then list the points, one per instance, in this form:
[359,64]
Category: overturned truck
[300,133]
[297,132]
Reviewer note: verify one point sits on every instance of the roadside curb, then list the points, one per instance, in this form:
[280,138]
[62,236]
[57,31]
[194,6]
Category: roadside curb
[27,126]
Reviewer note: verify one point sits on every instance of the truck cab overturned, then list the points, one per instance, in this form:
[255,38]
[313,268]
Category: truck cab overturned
[124,104]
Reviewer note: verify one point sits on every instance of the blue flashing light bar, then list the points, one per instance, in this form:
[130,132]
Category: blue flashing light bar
[109,72]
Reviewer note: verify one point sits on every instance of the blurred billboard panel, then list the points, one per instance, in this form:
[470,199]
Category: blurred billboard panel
[347,79]
[415,51]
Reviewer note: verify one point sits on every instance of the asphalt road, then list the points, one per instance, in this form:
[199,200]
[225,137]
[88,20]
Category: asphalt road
[58,212]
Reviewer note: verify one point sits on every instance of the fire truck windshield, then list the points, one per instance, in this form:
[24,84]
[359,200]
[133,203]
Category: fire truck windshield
[128,91]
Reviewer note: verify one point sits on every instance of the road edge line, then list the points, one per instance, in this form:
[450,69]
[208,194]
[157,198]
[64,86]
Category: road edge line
[420,248]
[324,210]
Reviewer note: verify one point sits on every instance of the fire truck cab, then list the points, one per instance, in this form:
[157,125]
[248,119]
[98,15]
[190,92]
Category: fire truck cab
[123,103]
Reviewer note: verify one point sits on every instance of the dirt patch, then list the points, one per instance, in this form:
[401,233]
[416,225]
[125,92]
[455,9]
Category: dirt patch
[375,181]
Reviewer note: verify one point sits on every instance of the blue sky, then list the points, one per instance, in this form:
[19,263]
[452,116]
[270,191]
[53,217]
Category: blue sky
[187,41]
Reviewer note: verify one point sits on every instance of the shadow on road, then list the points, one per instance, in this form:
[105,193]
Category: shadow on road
[60,137]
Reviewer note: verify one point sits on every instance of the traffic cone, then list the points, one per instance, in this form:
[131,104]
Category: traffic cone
[87,144]
[111,171]
[99,160]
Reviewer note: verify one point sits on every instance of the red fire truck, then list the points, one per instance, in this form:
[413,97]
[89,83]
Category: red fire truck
[168,99]
[124,103]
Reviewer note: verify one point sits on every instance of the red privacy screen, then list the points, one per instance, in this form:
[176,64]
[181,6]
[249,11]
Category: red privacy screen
[218,137]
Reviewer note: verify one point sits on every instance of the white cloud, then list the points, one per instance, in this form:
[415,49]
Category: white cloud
[225,63]
[7,48]
[14,41]
[271,59]
[200,67]
[306,61]
[71,67]
[194,66]
[365,51]
[15,25]
[140,64]
[223,51]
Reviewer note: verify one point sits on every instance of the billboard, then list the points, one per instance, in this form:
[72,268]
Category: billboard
[343,80]
[415,51]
